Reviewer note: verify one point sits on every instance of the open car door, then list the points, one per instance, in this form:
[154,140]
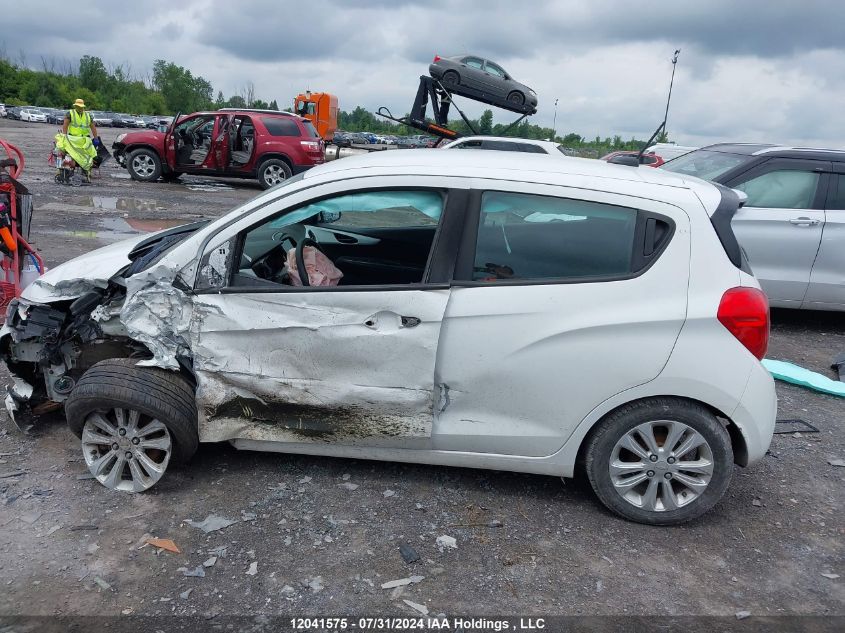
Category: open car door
[220,142]
[169,142]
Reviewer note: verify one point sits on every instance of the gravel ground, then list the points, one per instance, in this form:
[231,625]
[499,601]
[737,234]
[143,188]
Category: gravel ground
[304,542]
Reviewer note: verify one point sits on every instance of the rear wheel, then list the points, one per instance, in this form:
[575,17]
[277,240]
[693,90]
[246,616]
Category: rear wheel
[516,98]
[660,461]
[272,172]
[144,165]
[133,422]
[451,78]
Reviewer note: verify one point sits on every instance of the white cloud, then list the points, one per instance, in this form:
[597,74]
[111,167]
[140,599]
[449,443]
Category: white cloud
[750,71]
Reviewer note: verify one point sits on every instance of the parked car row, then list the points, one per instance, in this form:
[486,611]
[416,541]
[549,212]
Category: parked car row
[348,139]
[55,116]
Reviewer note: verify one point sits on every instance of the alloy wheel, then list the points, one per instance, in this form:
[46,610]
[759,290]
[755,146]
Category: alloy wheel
[143,165]
[661,465]
[125,450]
[274,174]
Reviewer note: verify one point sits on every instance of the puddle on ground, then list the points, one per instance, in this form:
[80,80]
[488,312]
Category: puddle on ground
[207,185]
[121,176]
[113,229]
[110,203]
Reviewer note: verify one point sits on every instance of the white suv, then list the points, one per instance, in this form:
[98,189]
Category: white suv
[450,308]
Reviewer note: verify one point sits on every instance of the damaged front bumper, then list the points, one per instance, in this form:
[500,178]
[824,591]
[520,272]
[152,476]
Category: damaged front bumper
[119,153]
[18,395]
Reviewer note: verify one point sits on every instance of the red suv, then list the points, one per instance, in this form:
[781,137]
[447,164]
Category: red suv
[264,144]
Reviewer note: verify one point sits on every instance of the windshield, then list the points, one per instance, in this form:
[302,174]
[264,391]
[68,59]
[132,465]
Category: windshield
[705,164]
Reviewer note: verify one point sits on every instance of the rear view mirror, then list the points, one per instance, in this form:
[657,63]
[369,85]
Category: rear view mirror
[327,217]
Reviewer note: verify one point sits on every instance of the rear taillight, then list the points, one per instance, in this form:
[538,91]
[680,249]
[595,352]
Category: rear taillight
[310,146]
[745,313]
[436,59]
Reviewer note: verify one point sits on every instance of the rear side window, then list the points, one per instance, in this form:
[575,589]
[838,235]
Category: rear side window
[280,126]
[524,236]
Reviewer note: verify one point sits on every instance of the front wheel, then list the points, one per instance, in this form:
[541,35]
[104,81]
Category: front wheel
[661,461]
[272,172]
[133,422]
[144,165]
[516,98]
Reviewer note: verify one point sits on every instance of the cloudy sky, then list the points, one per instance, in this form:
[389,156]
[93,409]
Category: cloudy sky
[749,70]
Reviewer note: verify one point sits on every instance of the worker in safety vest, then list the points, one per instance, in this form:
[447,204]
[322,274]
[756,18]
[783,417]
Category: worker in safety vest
[78,125]
[78,122]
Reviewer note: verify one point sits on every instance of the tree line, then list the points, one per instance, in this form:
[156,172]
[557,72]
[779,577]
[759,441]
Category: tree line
[170,88]
[167,89]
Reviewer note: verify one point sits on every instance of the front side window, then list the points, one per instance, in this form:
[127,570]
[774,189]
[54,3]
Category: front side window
[531,237]
[781,189]
[363,238]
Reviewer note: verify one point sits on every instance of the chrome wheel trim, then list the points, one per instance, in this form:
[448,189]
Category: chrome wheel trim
[274,174]
[661,465]
[125,450]
[143,165]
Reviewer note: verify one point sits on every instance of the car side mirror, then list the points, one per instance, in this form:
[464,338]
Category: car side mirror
[625,159]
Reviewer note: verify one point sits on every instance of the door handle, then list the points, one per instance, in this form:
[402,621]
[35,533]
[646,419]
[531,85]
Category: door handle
[804,221]
[410,321]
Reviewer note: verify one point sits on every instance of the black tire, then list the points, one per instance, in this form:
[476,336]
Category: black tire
[451,78]
[272,172]
[159,393]
[516,98]
[608,432]
[144,165]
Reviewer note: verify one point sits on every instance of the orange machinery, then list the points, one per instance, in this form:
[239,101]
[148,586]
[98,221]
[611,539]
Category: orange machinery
[321,109]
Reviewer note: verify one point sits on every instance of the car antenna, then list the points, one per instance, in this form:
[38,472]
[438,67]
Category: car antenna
[631,161]
[657,132]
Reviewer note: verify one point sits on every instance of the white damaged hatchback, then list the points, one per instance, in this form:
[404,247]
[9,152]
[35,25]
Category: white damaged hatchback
[464,309]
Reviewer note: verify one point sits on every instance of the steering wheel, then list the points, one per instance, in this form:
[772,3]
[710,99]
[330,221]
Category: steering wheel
[300,259]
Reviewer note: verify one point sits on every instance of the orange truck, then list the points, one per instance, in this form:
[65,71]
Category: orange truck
[321,109]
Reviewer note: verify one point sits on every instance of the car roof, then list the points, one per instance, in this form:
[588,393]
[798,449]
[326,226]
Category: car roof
[785,151]
[534,168]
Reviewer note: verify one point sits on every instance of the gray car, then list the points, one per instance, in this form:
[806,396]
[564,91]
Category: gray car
[483,80]
[792,226]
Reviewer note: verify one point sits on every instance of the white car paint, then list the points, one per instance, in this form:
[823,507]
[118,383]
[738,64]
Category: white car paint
[510,377]
[466,142]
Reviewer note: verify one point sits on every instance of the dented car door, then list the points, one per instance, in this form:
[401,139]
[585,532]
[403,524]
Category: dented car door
[347,364]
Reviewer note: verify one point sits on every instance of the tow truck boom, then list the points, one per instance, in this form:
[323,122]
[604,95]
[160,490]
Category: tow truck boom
[433,92]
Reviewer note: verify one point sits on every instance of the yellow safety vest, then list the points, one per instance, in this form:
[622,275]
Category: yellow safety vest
[80,123]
